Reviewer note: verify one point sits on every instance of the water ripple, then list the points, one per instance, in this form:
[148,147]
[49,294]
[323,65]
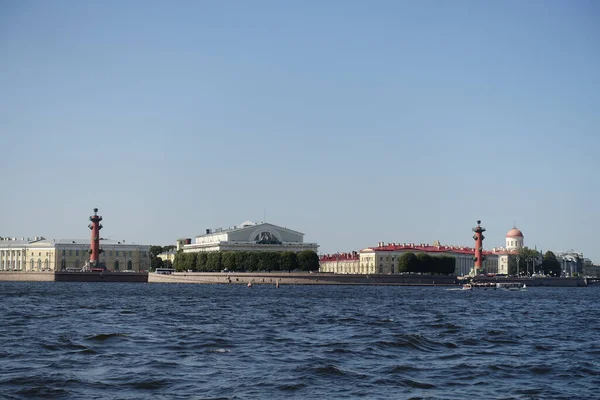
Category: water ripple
[69,340]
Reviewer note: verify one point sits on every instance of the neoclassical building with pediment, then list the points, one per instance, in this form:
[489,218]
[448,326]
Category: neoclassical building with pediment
[248,236]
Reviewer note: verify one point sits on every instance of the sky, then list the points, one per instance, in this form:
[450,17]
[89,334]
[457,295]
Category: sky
[355,122]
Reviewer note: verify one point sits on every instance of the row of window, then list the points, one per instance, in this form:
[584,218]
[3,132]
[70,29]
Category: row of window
[17,253]
[110,253]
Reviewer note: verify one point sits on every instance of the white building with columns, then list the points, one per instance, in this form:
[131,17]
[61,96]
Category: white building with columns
[250,236]
[514,241]
[39,254]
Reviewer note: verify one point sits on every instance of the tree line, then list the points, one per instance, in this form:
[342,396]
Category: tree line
[157,262]
[426,264]
[528,261]
[246,261]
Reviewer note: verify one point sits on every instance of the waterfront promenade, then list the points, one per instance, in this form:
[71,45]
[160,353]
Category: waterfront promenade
[281,278]
[303,278]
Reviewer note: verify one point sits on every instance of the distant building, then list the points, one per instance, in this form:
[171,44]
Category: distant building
[249,236]
[514,241]
[344,263]
[571,262]
[168,255]
[40,254]
[383,259]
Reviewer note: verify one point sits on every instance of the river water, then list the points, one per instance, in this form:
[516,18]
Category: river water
[170,341]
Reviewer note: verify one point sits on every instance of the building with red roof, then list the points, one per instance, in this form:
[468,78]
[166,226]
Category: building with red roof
[383,258]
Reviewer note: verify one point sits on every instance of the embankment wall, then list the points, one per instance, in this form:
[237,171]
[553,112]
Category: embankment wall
[545,281]
[301,279]
[27,276]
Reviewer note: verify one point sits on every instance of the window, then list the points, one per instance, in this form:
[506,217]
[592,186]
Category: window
[64,253]
[31,265]
[129,265]
[116,265]
[76,253]
[39,266]
[110,253]
[46,264]
[117,253]
[70,253]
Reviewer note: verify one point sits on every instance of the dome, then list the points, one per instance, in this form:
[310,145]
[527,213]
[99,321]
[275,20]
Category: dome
[514,233]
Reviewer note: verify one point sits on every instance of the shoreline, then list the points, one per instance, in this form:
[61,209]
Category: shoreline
[277,278]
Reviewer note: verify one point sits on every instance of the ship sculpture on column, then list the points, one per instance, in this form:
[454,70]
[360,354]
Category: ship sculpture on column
[478,257]
[95,249]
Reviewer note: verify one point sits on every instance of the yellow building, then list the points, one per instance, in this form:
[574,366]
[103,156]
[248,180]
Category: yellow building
[41,254]
[167,255]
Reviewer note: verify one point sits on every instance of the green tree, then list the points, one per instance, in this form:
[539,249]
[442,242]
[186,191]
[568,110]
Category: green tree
[527,261]
[408,262]
[201,261]
[288,261]
[551,265]
[155,251]
[253,260]
[213,261]
[228,260]
[308,260]
[167,264]
[269,261]
[446,265]
[438,265]
[241,260]
[180,262]
[425,265]
[156,262]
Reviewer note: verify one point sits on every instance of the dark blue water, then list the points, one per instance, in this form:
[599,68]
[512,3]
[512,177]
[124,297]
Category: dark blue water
[75,340]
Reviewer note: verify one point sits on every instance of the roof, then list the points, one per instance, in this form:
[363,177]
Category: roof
[340,257]
[245,226]
[426,248]
[514,233]
[87,241]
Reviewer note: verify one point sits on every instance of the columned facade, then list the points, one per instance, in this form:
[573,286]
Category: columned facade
[249,237]
[41,255]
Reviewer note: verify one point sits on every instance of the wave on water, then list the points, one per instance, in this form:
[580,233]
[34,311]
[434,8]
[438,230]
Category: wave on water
[416,342]
[326,342]
[101,337]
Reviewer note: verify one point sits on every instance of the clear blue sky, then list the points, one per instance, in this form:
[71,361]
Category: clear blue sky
[354,122]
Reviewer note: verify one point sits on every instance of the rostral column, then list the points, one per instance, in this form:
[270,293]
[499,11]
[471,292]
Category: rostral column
[479,257]
[95,250]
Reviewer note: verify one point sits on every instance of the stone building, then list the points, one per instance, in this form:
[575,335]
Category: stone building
[40,254]
[343,263]
[249,236]
[383,259]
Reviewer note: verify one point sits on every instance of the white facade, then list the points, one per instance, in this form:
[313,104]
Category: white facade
[514,239]
[251,237]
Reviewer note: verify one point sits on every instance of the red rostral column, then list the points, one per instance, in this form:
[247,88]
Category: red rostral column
[95,250]
[479,257]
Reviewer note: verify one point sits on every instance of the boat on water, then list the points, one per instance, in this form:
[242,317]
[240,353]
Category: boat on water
[467,286]
[511,286]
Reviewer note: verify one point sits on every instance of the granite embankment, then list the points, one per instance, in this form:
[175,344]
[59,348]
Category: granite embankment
[283,278]
[62,276]
[27,276]
[301,278]
[304,278]
[539,281]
